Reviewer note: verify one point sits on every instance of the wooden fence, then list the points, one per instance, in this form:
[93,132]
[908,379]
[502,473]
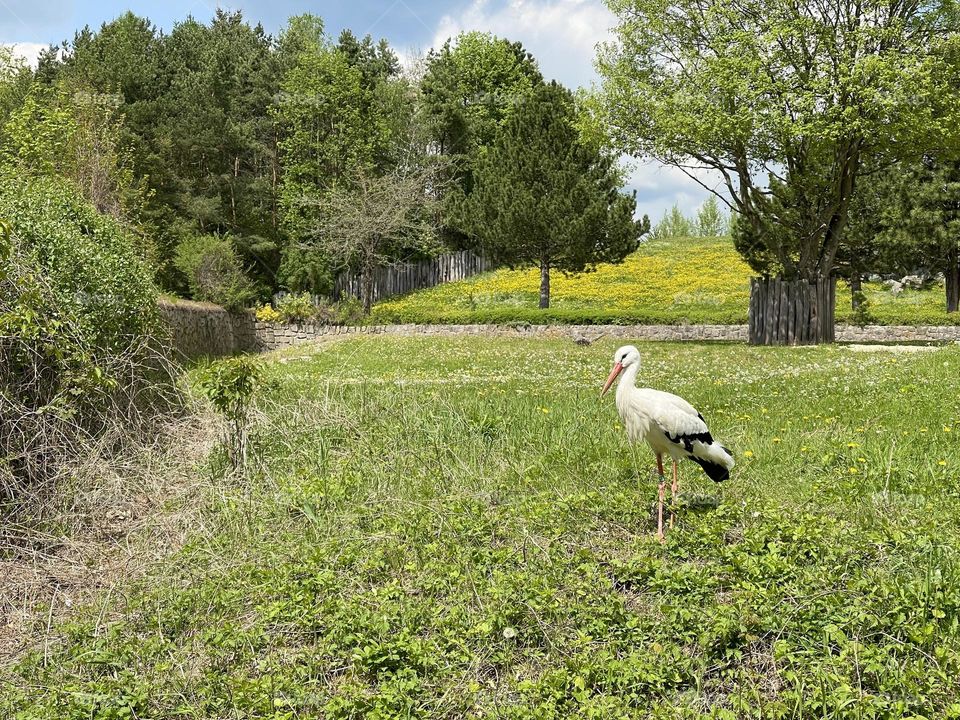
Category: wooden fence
[407,277]
[796,312]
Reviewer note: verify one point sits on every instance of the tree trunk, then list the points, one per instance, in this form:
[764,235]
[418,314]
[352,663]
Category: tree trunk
[856,287]
[366,288]
[791,312]
[952,279]
[544,284]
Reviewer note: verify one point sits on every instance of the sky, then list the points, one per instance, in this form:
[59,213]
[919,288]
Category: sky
[562,35]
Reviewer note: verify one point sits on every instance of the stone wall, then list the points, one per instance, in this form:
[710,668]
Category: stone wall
[898,333]
[272,336]
[203,329]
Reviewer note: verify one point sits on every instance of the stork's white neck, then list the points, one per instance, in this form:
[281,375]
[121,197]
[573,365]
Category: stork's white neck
[628,378]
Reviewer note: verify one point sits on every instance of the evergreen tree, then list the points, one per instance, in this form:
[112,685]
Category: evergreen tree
[218,142]
[543,196]
[470,87]
[921,221]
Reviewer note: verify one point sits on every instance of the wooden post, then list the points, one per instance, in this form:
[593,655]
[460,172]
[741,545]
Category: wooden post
[791,312]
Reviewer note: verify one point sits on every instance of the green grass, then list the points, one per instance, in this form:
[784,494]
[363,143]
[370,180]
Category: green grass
[457,528]
[671,281]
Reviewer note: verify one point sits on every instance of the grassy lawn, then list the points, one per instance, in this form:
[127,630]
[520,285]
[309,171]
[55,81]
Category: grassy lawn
[457,528]
[680,280]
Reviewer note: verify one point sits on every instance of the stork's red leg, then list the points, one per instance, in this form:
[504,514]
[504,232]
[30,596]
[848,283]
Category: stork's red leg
[674,490]
[661,491]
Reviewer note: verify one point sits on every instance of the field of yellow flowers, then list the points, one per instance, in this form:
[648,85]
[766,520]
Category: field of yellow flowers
[672,281]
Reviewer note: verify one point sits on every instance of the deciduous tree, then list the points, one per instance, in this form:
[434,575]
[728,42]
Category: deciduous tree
[802,93]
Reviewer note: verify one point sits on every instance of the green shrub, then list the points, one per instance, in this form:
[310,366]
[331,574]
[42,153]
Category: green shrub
[87,260]
[213,271]
[860,315]
[78,328]
[348,311]
[299,308]
[296,308]
[230,385]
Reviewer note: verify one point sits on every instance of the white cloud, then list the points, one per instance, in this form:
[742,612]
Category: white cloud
[29,51]
[561,34]
[660,187]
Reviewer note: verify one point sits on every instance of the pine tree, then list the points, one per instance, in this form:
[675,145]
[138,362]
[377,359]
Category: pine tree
[921,221]
[545,197]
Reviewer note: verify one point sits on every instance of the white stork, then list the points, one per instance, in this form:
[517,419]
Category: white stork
[667,423]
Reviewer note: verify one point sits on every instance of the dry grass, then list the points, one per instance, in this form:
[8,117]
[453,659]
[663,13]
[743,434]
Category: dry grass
[99,525]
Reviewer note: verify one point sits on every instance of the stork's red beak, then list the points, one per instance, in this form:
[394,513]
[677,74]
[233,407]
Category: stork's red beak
[613,376]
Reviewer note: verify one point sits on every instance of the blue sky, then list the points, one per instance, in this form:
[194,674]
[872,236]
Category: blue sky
[561,34]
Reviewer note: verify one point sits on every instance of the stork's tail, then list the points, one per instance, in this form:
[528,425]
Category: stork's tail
[717,462]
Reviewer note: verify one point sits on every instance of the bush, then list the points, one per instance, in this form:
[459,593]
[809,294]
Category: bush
[861,315]
[296,308]
[266,313]
[78,325]
[213,271]
[348,311]
[230,385]
[299,308]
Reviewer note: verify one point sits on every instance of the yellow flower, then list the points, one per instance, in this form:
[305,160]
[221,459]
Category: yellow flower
[804,448]
[748,453]
[947,428]
[852,445]
[776,440]
[942,463]
[852,470]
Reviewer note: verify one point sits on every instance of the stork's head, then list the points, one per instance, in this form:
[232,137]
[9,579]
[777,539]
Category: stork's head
[624,357]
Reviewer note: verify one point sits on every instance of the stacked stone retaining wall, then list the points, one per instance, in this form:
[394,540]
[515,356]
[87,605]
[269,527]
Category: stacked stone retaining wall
[273,336]
[202,329]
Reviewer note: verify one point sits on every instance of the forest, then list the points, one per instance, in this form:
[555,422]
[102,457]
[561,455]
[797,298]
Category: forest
[245,163]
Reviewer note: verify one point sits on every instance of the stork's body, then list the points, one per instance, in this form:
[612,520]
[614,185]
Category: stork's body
[667,423]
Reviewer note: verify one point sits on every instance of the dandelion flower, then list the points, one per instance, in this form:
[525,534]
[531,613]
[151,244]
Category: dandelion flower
[748,453]
[942,463]
[852,470]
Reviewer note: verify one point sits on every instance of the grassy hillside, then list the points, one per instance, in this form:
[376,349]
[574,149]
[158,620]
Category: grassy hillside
[678,280]
[456,528]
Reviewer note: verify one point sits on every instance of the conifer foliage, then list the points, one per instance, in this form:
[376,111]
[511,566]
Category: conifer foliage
[545,196]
